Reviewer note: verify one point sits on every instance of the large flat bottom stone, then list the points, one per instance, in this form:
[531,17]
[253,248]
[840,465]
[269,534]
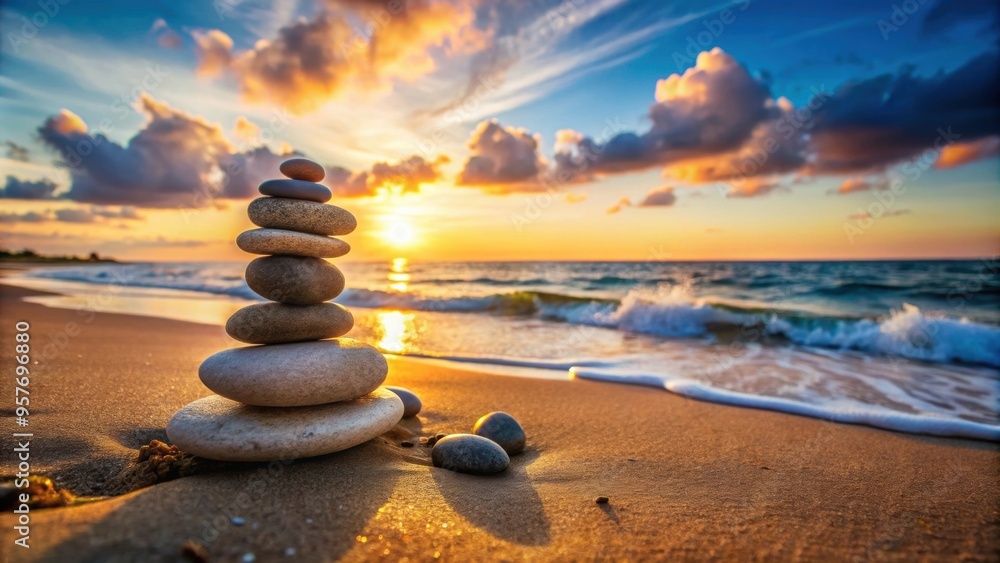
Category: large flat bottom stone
[216,428]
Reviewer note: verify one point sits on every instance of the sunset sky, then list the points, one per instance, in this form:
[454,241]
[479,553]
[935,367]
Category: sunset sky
[509,130]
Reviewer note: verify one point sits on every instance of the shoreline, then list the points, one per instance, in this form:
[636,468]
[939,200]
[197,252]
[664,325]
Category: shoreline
[213,309]
[686,479]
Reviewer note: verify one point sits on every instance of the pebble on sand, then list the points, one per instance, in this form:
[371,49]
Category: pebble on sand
[602,500]
[302,169]
[503,429]
[411,402]
[468,453]
[295,280]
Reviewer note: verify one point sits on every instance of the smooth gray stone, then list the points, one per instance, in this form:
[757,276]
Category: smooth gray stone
[277,323]
[216,428]
[411,402]
[296,189]
[295,280]
[503,429]
[282,242]
[468,453]
[297,374]
[302,169]
[300,215]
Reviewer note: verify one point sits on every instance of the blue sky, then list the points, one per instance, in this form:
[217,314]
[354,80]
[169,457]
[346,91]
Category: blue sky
[351,86]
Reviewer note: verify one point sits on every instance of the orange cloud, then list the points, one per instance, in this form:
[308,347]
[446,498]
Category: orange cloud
[753,187]
[214,50]
[621,204]
[312,61]
[66,123]
[405,176]
[958,154]
[862,184]
[245,129]
[165,36]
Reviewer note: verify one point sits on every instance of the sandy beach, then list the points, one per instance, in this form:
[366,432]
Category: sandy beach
[685,479]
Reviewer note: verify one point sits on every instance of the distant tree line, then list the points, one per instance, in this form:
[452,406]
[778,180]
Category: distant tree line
[28,255]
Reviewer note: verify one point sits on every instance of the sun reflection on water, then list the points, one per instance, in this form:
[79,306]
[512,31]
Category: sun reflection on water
[396,330]
[399,275]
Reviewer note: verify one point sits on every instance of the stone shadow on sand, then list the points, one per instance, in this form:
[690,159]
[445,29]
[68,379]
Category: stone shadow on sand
[313,508]
[506,505]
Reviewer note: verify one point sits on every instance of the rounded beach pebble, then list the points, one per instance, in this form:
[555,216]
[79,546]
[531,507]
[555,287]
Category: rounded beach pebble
[300,215]
[297,374]
[277,323]
[302,169]
[411,402]
[278,241]
[296,280]
[296,189]
[468,453]
[503,429]
[216,428]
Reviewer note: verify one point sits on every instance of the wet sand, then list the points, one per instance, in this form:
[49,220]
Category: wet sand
[686,479]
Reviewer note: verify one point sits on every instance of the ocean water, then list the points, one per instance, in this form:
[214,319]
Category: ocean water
[908,346]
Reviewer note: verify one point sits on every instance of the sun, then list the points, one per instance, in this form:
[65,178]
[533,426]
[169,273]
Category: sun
[400,234]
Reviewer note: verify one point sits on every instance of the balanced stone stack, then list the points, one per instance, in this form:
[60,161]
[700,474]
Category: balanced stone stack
[301,391]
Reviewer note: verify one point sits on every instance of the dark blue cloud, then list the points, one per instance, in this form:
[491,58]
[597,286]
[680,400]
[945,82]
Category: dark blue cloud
[946,14]
[175,160]
[16,188]
[872,123]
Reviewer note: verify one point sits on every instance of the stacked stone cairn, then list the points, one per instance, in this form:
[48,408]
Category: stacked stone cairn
[301,390]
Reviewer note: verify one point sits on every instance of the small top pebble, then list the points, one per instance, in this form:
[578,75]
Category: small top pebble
[302,169]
